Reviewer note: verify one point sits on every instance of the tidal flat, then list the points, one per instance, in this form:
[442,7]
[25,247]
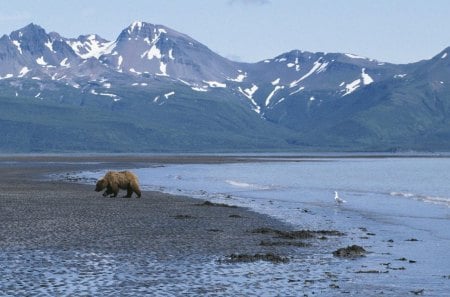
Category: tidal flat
[59,237]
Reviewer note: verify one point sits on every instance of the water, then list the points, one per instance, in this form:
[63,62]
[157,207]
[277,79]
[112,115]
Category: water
[397,208]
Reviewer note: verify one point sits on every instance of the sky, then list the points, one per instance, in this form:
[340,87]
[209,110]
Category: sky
[396,31]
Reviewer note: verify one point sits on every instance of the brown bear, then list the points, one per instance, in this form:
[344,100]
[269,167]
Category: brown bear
[114,180]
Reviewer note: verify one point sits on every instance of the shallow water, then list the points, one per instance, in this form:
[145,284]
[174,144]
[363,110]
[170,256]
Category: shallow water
[397,208]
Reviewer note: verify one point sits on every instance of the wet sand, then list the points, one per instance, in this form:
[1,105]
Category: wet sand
[38,213]
[56,234]
[60,238]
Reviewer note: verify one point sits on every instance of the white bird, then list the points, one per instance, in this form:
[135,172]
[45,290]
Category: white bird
[338,200]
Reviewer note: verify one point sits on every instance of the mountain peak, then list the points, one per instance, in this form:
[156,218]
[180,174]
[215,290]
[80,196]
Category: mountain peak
[91,38]
[29,30]
[137,25]
[32,26]
[143,29]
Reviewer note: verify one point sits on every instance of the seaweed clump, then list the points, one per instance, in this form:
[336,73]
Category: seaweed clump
[246,258]
[353,251]
[297,234]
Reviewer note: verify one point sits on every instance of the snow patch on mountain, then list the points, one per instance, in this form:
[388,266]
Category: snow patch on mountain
[184,82]
[322,67]
[64,63]
[367,80]
[91,47]
[17,44]
[134,25]
[119,62]
[163,69]
[171,54]
[199,89]
[279,101]
[23,71]
[113,96]
[400,75]
[444,56]
[215,84]
[318,67]
[275,82]
[41,61]
[9,75]
[277,88]
[249,92]
[167,95]
[351,87]
[153,52]
[132,70]
[352,56]
[49,44]
[240,78]
[296,91]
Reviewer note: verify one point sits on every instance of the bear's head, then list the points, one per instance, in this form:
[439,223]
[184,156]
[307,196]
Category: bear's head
[101,184]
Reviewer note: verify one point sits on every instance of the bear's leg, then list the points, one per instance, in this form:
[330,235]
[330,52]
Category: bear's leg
[138,193]
[135,188]
[107,191]
[114,190]
[129,192]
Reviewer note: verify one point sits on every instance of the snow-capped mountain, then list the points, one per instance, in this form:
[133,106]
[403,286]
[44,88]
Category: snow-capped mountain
[156,50]
[89,46]
[175,83]
[143,53]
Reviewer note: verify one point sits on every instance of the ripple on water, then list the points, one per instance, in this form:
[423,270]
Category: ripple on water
[52,273]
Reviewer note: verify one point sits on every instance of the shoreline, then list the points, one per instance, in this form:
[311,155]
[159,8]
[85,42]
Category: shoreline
[62,238]
[52,229]
[26,190]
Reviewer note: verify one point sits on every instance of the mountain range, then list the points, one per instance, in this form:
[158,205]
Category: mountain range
[154,89]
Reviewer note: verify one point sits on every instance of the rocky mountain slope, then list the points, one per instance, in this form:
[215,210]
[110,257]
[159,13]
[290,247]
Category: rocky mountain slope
[157,90]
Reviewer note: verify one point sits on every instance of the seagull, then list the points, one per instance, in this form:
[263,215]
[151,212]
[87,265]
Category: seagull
[338,200]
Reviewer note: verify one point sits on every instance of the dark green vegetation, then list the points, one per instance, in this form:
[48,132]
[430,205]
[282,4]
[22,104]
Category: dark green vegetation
[83,122]
[393,115]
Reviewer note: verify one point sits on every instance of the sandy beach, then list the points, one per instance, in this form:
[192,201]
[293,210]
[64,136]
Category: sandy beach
[54,229]
[59,237]
[38,213]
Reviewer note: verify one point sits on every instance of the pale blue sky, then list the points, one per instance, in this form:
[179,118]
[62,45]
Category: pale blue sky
[397,31]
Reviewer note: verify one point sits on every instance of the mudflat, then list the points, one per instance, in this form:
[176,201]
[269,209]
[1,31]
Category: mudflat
[63,238]
[37,213]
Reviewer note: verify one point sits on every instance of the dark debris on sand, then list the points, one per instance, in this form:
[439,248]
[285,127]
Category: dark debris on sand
[298,234]
[284,243]
[372,271]
[353,251]
[209,203]
[246,258]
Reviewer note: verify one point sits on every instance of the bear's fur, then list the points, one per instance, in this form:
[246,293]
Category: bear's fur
[115,180]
